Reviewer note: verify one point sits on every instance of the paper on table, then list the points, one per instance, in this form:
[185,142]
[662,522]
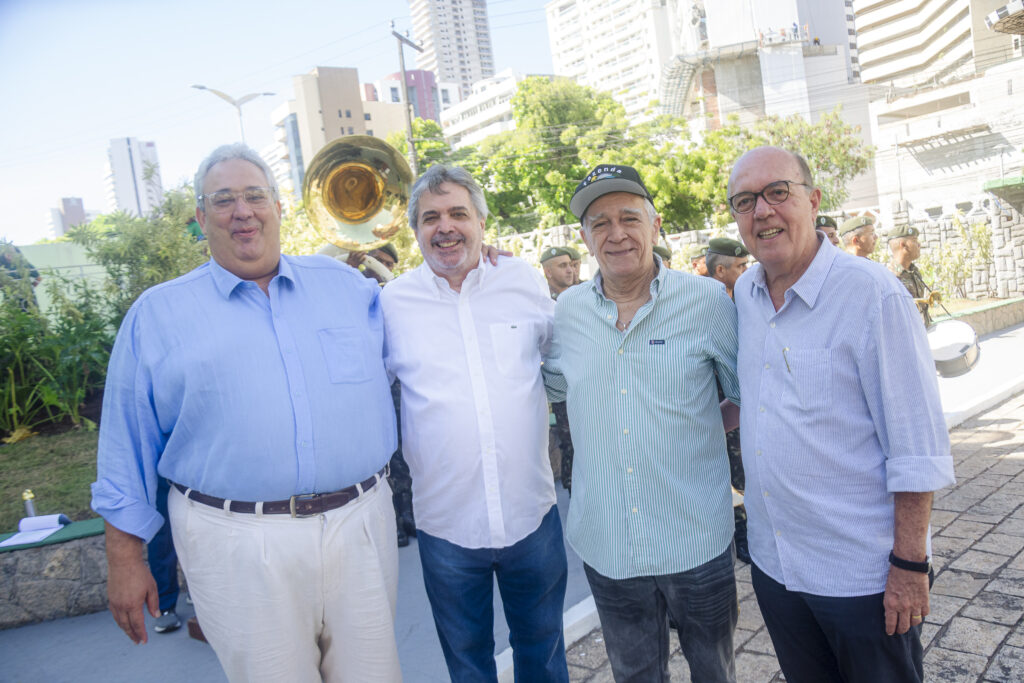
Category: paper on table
[35,529]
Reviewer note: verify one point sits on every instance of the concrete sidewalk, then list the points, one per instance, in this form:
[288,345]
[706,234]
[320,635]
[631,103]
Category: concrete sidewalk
[92,649]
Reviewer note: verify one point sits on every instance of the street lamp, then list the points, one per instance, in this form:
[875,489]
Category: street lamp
[237,104]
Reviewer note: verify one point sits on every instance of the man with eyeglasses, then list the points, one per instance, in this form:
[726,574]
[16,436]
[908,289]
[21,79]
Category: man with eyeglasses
[256,385]
[842,434]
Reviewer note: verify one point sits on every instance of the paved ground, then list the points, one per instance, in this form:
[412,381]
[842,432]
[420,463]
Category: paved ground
[975,631]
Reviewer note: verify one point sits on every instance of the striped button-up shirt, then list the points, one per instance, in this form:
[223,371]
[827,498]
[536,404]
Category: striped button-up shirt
[841,410]
[650,492]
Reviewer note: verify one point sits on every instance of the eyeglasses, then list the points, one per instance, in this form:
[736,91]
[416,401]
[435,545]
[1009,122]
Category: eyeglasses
[773,193]
[224,201]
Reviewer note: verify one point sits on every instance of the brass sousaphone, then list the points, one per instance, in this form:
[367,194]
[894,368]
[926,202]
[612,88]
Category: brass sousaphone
[356,191]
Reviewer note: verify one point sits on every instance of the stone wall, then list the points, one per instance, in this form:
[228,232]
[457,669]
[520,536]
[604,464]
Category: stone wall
[53,581]
[991,318]
[1004,277]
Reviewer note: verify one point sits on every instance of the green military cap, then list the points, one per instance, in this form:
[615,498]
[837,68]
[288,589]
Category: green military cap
[696,251]
[554,252]
[726,247]
[664,252]
[825,221]
[855,223]
[573,254]
[903,231]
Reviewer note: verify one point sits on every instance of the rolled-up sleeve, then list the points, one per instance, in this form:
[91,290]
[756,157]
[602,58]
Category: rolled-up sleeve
[903,398]
[130,442]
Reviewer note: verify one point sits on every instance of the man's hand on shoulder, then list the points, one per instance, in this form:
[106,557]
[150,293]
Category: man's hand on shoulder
[130,584]
[492,253]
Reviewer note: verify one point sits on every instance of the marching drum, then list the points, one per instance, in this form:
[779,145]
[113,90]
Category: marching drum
[954,347]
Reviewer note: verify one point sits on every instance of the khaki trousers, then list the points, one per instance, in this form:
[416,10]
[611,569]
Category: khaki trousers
[294,599]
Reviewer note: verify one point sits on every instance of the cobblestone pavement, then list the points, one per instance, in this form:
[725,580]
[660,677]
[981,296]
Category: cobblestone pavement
[975,631]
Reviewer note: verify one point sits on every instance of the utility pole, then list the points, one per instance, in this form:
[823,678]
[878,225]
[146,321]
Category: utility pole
[402,40]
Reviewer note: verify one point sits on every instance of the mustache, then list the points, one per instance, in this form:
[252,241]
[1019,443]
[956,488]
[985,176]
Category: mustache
[437,239]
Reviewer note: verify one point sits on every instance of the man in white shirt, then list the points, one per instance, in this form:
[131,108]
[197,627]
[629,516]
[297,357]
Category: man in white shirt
[465,339]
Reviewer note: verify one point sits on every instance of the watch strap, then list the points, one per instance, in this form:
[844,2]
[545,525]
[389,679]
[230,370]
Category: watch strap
[900,563]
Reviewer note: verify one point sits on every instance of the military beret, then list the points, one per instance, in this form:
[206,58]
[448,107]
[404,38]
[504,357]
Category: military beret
[855,223]
[554,252]
[726,247]
[903,231]
[825,221]
[696,251]
[663,252]
[573,254]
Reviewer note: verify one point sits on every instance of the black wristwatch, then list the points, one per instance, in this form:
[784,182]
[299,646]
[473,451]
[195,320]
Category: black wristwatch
[900,563]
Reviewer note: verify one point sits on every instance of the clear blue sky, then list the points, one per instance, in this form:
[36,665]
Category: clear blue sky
[76,73]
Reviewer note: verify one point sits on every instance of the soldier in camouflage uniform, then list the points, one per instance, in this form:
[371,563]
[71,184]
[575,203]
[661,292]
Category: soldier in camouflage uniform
[905,248]
[554,261]
[726,259]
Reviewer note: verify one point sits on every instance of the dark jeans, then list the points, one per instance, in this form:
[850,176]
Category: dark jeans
[531,579]
[163,561]
[701,601]
[820,639]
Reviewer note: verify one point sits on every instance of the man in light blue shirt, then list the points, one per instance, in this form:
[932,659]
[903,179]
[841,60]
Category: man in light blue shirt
[256,385]
[843,438]
[635,355]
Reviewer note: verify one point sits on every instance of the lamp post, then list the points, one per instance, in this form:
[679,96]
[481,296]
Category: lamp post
[237,104]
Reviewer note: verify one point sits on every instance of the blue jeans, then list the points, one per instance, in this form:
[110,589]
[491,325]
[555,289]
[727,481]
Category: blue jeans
[634,616]
[163,561]
[820,639]
[531,579]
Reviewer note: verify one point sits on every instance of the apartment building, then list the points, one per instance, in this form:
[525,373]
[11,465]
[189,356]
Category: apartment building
[456,40]
[133,176]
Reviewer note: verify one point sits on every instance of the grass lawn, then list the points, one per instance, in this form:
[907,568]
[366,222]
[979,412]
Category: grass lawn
[57,467]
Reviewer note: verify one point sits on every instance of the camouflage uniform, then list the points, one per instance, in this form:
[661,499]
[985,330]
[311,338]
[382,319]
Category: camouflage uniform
[912,280]
[400,479]
[561,435]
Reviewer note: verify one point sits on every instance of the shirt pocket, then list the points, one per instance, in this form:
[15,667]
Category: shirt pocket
[346,353]
[808,379]
[516,350]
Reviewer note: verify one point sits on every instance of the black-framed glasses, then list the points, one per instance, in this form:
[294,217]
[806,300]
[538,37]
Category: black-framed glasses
[223,201]
[773,193]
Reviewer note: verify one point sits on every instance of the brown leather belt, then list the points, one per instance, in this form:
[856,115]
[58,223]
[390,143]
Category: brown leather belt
[302,505]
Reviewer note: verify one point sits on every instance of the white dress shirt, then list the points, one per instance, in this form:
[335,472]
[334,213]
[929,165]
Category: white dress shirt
[474,412]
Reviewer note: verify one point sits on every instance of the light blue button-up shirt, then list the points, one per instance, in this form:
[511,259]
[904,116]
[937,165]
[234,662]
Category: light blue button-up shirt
[650,479]
[840,410]
[221,388]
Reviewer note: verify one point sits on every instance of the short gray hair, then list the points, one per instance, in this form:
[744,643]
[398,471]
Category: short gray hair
[713,259]
[432,180]
[235,150]
[652,213]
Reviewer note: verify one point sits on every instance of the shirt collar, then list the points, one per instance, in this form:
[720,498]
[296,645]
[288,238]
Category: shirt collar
[474,279]
[808,287]
[597,284]
[226,281]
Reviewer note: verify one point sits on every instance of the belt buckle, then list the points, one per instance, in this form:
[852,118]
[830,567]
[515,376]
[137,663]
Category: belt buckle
[301,496]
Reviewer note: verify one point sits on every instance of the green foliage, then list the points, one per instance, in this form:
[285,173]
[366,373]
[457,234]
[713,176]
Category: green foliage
[953,264]
[51,364]
[138,253]
[431,147]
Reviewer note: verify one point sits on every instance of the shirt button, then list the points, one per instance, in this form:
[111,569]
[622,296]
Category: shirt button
[778,533]
[767,366]
[761,409]
[620,352]
[629,470]
[623,392]
[625,431]
[634,510]
[765,494]
[771,325]
[759,451]
[609,317]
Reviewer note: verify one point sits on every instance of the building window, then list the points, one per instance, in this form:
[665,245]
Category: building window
[394,95]
[351,131]
[366,117]
[348,113]
[369,132]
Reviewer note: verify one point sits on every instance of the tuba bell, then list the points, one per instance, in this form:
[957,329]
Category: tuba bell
[356,191]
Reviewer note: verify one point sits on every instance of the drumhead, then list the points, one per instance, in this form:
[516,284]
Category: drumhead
[951,339]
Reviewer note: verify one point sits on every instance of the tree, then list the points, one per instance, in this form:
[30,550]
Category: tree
[431,147]
[138,253]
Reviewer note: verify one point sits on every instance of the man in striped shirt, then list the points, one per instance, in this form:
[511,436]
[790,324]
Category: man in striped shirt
[635,353]
[843,438]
